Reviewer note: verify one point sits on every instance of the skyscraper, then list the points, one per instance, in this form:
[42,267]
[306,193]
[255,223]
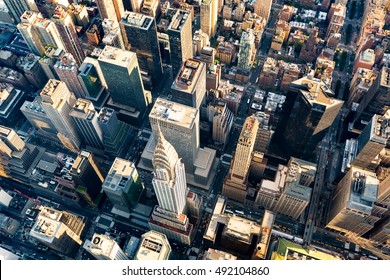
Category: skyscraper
[39,32]
[308,113]
[86,119]
[209,17]
[92,80]
[154,246]
[246,56]
[180,126]
[123,186]
[263,8]
[111,9]
[116,134]
[16,157]
[103,247]
[169,180]
[58,230]
[169,183]
[67,71]
[371,141]
[180,39]
[88,176]
[352,204]
[140,36]
[189,87]
[57,102]
[122,74]
[68,34]
[376,100]
[18,7]
[235,184]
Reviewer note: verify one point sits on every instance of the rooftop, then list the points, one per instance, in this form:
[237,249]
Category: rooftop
[178,20]
[105,115]
[381,127]
[287,250]
[188,75]
[316,91]
[173,113]
[121,172]
[154,246]
[116,56]
[241,229]
[213,254]
[83,109]
[136,19]
[363,190]
[101,245]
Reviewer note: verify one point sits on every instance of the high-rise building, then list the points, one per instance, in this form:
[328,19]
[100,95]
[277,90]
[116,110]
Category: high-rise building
[209,17]
[222,119]
[336,18]
[32,70]
[372,141]
[376,100]
[263,8]
[57,102]
[87,175]
[68,34]
[189,87]
[169,183]
[123,186]
[154,246]
[103,247]
[112,34]
[264,133]
[39,32]
[218,255]
[80,15]
[67,71]
[116,134]
[180,126]
[169,180]
[246,56]
[37,117]
[92,80]
[151,8]
[352,204]
[261,250]
[180,39]
[85,117]
[16,157]
[235,184]
[17,7]
[122,74]
[308,113]
[290,192]
[365,60]
[110,9]
[140,36]
[360,84]
[296,194]
[59,230]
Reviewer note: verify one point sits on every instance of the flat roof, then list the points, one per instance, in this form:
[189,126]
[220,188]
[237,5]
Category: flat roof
[116,56]
[173,113]
[153,246]
[241,229]
[287,250]
[137,19]
[204,161]
[316,92]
